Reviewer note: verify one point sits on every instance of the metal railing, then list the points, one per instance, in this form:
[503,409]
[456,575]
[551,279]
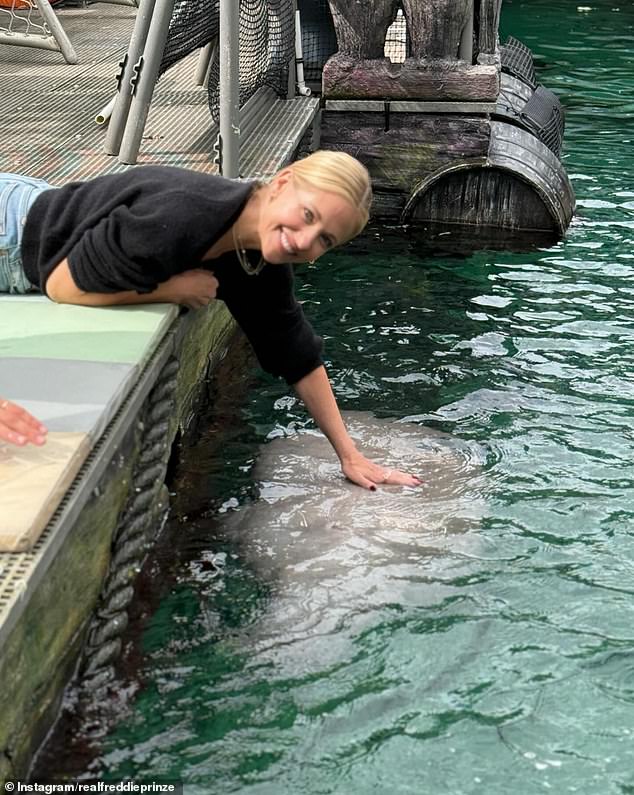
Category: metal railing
[32,23]
[142,65]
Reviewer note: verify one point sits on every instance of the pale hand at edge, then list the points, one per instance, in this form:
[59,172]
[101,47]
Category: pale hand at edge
[18,426]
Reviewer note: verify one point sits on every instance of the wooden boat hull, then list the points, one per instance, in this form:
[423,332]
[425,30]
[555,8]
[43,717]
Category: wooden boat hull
[477,172]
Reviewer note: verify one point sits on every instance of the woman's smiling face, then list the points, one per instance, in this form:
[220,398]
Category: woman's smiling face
[299,224]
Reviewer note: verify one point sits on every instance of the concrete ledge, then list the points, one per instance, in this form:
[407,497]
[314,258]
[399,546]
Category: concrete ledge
[72,367]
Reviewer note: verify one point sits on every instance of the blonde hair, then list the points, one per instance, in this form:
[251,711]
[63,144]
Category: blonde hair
[340,173]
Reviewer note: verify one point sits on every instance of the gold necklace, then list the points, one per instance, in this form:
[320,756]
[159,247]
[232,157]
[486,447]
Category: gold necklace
[241,254]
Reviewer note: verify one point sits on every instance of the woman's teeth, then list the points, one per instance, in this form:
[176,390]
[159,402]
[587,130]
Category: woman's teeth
[286,245]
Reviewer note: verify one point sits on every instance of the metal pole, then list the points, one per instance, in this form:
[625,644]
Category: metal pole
[465,53]
[229,43]
[302,88]
[204,62]
[55,26]
[40,42]
[292,69]
[119,116]
[147,76]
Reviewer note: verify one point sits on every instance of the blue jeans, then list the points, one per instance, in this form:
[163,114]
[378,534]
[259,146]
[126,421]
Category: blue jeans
[17,194]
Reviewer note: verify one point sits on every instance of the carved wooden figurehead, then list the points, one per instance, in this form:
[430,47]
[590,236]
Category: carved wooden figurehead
[435,27]
[439,66]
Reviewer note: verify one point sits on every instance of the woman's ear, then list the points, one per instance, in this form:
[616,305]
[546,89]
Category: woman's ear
[279,182]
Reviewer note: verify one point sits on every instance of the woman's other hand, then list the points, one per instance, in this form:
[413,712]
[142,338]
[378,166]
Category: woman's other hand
[195,288]
[357,468]
[18,426]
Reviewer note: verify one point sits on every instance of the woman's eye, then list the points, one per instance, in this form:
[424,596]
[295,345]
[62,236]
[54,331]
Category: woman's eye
[326,241]
[308,215]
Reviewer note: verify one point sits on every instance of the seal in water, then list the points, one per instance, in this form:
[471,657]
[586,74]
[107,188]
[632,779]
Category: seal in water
[326,546]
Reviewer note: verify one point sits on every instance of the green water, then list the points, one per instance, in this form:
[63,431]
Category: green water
[515,672]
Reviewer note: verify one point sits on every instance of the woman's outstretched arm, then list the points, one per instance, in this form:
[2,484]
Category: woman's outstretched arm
[315,390]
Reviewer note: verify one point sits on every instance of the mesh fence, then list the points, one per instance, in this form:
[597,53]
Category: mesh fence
[396,39]
[319,41]
[267,45]
[194,24]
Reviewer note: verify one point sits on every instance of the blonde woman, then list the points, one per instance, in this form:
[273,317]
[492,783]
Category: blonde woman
[156,234]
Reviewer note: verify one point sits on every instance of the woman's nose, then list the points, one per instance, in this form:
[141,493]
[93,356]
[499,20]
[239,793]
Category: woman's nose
[307,238]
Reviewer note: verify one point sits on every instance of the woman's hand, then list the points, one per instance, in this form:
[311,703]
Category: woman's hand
[357,468]
[18,426]
[195,288]
[315,390]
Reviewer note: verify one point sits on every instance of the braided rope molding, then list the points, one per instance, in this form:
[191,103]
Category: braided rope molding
[135,533]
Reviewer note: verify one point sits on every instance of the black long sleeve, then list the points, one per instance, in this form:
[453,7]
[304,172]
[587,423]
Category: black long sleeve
[133,230]
[266,309]
[129,231]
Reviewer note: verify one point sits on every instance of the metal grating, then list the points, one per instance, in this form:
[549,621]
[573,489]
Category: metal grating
[36,87]
[278,136]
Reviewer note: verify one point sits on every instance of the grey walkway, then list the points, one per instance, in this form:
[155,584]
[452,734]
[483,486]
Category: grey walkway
[47,107]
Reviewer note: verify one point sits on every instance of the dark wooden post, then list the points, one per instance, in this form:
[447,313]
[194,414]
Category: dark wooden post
[489,21]
[435,27]
[361,25]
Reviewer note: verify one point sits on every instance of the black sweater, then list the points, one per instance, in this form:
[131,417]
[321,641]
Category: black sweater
[133,230]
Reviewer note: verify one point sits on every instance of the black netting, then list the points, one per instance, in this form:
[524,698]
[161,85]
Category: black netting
[194,24]
[544,116]
[319,41]
[267,45]
[517,60]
